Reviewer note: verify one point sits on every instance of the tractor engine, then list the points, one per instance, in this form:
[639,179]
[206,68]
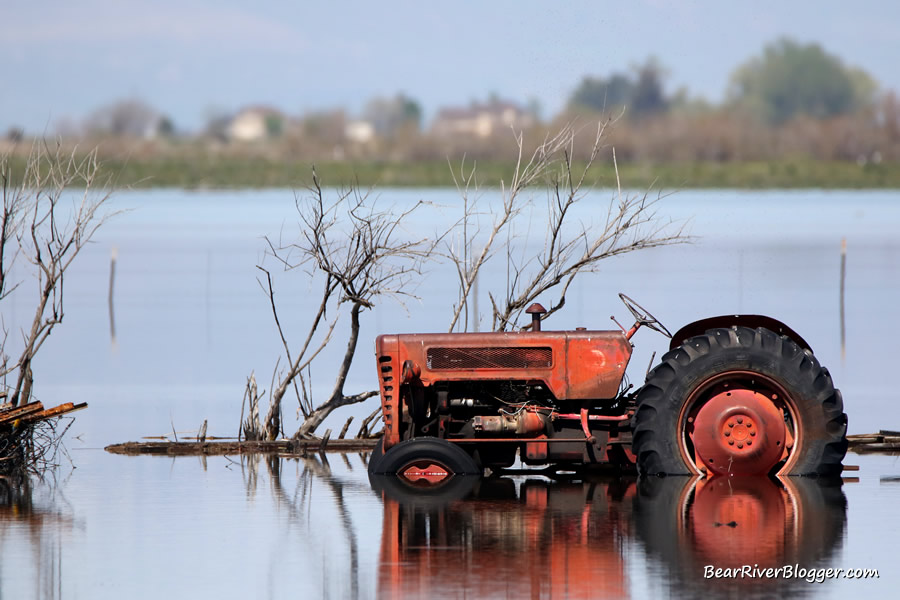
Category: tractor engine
[495,393]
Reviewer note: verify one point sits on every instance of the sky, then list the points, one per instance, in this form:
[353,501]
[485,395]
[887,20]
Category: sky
[191,59]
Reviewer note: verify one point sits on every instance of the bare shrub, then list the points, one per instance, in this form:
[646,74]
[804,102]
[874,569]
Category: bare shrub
[359,253]
[631,222]
[50,212]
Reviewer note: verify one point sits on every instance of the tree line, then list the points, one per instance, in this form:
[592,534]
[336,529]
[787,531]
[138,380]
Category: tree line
[791,100]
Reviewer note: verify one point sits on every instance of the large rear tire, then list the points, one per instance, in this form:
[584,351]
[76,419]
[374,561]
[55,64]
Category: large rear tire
[739,401]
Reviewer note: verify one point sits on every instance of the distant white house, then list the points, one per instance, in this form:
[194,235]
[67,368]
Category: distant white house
[360,132]
[255,123]
[481,120]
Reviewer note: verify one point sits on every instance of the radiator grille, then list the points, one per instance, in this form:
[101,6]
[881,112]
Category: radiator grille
[489,358]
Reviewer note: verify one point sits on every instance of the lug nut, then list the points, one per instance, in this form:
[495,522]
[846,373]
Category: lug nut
[749,423]
[740,444]
[749,442]
[740,419]
[727,432]
[753,433]
[731,442]
[731,423]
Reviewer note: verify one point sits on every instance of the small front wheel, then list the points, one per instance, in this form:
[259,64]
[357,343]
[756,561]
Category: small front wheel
[426,462]
[376,456]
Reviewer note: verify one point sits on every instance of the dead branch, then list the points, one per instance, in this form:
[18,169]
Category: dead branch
[360,253]
[525,174]
[364,429]
[345,428]
[631,223]
[47,219]
[251,428]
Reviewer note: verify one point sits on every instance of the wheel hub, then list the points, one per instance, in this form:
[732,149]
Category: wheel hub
[425,473]
[739,432]
[741,521]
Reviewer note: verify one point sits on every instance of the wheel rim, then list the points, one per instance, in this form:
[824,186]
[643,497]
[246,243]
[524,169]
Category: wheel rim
[752,520]
[739,423]
[425,473]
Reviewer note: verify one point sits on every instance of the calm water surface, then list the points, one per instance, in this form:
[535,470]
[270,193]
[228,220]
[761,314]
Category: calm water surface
[191,323]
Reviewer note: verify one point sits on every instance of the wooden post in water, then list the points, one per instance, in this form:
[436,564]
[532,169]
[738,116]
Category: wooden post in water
[112,282]
[843,281]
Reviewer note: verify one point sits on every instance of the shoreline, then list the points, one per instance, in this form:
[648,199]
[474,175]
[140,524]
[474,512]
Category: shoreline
[254,172]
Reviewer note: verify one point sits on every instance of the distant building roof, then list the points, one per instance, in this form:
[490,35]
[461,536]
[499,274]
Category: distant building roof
[481,120]
[253,123]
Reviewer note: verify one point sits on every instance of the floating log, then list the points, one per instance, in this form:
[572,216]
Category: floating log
[245,447]
[865,438]
[885,441]
[864,448]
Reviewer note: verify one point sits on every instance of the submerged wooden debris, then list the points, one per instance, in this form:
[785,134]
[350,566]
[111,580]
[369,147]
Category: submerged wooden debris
[243,447]
[886,441]
[29,438]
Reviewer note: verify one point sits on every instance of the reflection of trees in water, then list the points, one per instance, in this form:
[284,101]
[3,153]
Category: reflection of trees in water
[298,504]
[37,513]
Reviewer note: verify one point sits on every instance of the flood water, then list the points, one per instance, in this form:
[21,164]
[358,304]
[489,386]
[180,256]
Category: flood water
[191,322]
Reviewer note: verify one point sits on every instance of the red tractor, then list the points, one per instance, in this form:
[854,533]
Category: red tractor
[735,395]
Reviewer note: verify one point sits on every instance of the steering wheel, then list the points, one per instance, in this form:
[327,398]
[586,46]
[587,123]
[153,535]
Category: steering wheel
[643,317]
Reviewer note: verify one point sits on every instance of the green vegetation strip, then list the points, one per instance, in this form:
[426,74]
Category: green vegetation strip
[237,173]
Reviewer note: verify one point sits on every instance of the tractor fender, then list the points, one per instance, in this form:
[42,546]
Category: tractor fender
[752,321]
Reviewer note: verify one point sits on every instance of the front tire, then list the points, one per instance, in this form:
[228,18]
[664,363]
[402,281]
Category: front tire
[739,401]
[376,456]
[426,462]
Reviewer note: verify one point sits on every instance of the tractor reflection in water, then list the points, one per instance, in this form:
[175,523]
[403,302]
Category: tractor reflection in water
[534,537]
[698,526]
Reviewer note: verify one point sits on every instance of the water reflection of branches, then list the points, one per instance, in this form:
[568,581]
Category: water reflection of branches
[40,513]
[299,504]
